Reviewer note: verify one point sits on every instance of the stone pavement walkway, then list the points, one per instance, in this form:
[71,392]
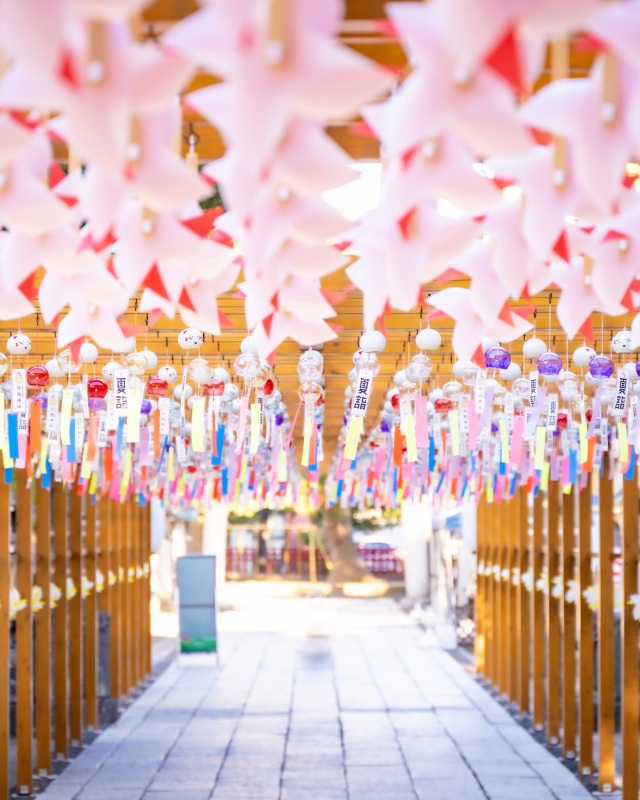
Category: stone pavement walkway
[316,699]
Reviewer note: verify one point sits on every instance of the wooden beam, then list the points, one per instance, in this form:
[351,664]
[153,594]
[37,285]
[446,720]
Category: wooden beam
[585,635]
[91,620]
[43,632]
[630,683]
[568,619]
[5,577]
[606,638]
[146,527]
[24,637]
[75,619]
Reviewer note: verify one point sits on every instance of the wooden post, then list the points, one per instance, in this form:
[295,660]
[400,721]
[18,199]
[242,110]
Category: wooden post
[606,639]
[115,594]
[552,615]
[103,511]
[585,636]
[489,583]
[514,629]
[43,632]
[630,683]
[479,643]
[539,704]
[137,595]
[5,536]
[568,618]
[90,621]
[60,624]
[127,614]
[496,621]
[524,601]
[146,527]
[75,618]
[24,637]
[505,606]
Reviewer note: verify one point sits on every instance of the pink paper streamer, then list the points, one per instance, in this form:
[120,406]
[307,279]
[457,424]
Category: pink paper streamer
[242,422]
[516,441]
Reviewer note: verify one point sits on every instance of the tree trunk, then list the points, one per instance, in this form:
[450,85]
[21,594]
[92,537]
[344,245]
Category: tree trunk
[346,565]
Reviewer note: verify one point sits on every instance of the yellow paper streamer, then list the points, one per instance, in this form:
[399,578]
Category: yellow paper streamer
[255,428]
[44,449]
[85,470]
[584,445]
[93,484]
[454,432]
[410,437]
[544,476]
[197,424]
[541,438]
[504,442]
[282,467]
[7,461]
[353,437]
[170,469]
[489,491]
[623,443]
[65,415]
[133,416]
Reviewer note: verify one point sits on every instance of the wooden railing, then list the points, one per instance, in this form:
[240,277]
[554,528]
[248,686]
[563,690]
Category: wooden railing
[546,620]
[64,542]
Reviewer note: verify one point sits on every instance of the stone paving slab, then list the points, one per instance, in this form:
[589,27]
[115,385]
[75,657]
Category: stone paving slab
[316,699]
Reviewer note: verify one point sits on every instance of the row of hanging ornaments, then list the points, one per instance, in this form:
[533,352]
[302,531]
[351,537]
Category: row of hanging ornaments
[213,382]
[600,370]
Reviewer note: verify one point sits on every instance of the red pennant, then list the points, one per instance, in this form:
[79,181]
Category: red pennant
[154,316]
[22,119]
[154,282]
[335,327]
[362,128]
[274,301]
[56,174]
[386,28]
[561,248]
[588,43]
[540,137]
[186,301]
[129,329]
[523,311]
[505,60]
[436,314]
[334,298]
[406,223]
[203,224]
[67,69]
[224,320]
[75,346]
[450,274]
[408,156]
[614,236]
[266,323]
[238,295]
[271,357]
[28,287]
[111,269]
[587,329]
[628,300]
[221,238]
[382,325]
[478,357]
[342,246]
[505,314]
[503,183]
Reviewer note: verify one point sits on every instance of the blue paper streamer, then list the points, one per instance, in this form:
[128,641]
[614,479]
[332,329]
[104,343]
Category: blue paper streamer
[14,447]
